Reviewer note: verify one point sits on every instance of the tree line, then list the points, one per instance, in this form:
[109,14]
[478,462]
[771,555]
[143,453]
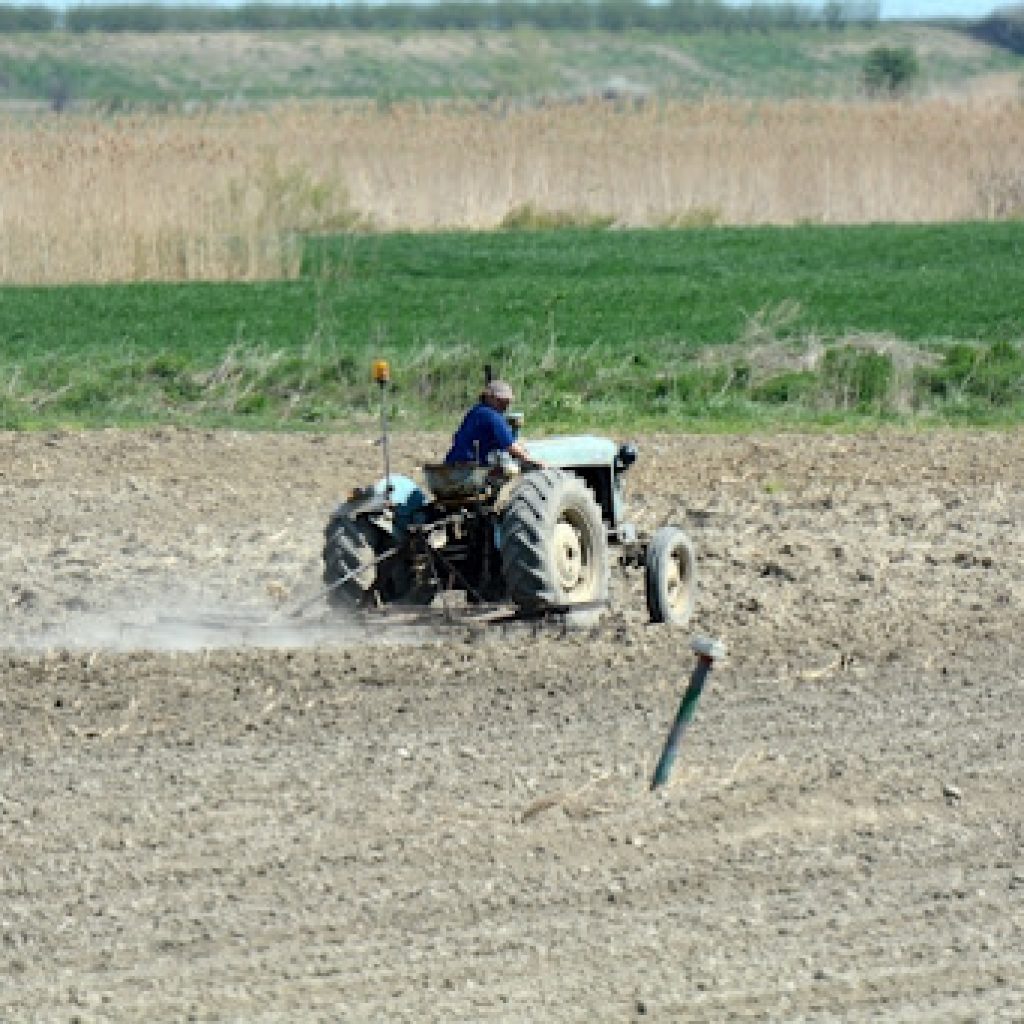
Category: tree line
[684,16]
[1005,28]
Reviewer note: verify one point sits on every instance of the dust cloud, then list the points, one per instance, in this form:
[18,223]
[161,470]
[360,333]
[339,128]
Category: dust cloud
[186,624]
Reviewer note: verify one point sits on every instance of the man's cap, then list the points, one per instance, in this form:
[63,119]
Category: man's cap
[499,389]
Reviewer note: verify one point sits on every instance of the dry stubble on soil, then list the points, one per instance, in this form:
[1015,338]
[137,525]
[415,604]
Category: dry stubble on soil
[458,827]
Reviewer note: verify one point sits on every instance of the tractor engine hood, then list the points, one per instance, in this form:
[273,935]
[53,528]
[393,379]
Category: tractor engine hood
[565,452]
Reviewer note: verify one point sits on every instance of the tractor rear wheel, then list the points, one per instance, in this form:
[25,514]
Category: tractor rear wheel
[349,556]
[554,548]
[671,577]
[363,566]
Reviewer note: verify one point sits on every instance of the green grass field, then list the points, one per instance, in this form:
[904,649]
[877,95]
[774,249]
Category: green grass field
[644,329]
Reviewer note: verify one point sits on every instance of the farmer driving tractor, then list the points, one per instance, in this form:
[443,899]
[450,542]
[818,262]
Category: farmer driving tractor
[544,543]
[485,429]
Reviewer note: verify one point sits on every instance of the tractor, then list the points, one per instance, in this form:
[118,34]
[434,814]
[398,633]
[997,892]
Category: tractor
[539,539]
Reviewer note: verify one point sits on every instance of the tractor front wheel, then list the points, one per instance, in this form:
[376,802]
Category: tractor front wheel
[671,577]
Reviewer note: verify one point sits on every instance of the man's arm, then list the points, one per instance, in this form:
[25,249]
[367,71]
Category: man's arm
[519,451]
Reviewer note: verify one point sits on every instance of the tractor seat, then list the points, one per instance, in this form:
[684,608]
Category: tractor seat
[458,480]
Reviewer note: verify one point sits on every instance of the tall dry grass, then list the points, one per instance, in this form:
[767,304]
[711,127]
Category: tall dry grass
[226,195]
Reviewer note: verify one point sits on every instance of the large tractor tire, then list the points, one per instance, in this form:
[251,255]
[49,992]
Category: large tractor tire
[554,548]
[671,577]
[349,561]
[358,569]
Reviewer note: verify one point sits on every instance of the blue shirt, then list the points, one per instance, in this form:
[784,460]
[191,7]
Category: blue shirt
[483,430]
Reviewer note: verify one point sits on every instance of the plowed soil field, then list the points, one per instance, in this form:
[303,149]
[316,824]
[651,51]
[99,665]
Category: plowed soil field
[211,809]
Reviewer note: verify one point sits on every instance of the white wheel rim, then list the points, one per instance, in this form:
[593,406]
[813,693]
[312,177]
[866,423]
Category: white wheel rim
[569,563]
[675,580]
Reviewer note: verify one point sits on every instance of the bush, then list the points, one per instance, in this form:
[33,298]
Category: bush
[528,217]
[994,375]
[857,379]
[85,397]
[889,70]
[252,404]
[693,217]
[1004,28]
[12,413]
[793,386]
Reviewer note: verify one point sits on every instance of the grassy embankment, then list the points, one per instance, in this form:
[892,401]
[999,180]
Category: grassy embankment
[636,330]
[126,70]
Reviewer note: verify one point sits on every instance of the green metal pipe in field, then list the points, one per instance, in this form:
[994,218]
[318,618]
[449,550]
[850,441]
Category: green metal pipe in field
[707,652]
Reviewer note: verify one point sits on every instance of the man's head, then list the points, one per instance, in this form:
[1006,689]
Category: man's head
[499,394]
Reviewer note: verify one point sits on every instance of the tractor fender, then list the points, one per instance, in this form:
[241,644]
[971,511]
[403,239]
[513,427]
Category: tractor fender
[408,499]
[391,511]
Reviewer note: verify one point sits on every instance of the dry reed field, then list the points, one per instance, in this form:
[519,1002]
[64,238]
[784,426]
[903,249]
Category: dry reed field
[227,194]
